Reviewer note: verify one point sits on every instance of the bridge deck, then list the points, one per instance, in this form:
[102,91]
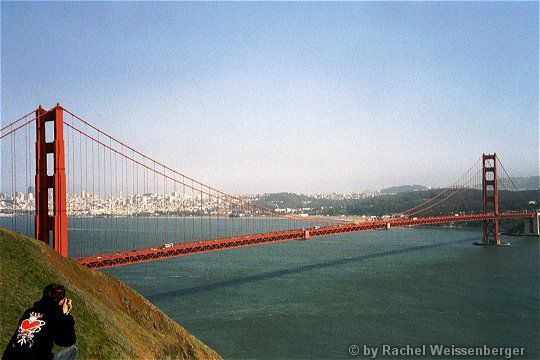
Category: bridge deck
[148,254]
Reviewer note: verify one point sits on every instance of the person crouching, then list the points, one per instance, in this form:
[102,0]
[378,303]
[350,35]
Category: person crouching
[46,323]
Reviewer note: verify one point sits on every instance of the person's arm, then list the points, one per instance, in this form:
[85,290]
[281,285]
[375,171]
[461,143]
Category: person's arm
[65,331]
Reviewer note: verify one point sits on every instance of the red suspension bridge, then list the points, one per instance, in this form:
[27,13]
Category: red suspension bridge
[125,207]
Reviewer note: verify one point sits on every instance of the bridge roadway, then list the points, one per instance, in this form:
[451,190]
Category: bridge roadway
[148,254]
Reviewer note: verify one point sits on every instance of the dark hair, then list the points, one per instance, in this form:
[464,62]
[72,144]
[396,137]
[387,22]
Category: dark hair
[54,292]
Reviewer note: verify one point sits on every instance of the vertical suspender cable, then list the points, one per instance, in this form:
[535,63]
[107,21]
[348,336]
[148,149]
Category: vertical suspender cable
[208,214]
[156,223]
[226,216]
[184,206]
[104,201]
[13,187]
[192,212]
[200,215]
[110,200]
[175,209]
[100,237]
[81,196]
[133,208]
[147,206]
[26,185]
[86,246]
[73,193]
[93,202]
[137,206]
[125,197]
[165,214]
[218,219]
[116,199]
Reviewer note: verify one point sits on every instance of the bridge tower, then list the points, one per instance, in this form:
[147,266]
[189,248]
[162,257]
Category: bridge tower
[490,194]
[51,224]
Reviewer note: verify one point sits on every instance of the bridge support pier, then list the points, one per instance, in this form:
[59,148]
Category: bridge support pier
[51,224]
[532,226]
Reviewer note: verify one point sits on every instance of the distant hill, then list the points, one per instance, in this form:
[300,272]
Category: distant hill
[286,200]
[402,189]
[522,183]
[112,321]
[468,201]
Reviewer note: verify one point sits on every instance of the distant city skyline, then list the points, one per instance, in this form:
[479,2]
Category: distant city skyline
[288,97]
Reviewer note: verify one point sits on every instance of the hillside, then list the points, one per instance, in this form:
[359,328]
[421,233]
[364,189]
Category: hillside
[468,201]
[112,321]
[522,183]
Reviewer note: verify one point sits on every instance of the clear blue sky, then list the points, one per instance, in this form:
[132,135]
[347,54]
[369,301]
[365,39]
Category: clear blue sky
[301,97]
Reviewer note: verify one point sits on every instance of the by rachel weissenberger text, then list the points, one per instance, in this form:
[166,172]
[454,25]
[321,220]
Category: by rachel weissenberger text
[435,350]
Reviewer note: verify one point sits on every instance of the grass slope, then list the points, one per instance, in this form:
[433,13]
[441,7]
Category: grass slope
[112,321]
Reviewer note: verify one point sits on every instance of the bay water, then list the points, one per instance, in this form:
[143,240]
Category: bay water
[317,298]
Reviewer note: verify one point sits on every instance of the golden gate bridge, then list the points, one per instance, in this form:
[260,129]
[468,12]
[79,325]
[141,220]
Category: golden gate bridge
[109,191]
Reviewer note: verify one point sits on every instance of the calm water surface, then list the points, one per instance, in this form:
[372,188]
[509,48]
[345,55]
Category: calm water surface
[313,299]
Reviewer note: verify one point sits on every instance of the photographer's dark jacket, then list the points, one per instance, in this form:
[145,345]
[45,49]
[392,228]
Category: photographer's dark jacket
[41,326]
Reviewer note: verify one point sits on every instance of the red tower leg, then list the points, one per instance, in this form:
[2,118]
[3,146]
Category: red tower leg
[51,224]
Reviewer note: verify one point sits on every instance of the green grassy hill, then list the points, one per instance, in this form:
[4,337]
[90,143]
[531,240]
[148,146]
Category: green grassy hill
[112,321]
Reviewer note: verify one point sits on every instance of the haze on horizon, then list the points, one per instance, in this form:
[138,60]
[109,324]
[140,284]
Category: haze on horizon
[298,97]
